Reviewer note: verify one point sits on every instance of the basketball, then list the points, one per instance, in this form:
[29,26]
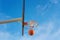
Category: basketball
[31,32]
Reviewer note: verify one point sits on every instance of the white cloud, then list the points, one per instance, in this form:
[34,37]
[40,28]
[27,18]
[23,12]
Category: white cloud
[3,27]
[41,10]
[4,17]
[8,36]
[54,1]
[5,36]
[43,32]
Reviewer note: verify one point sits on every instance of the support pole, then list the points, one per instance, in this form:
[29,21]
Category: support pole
[12,20]
[23,11]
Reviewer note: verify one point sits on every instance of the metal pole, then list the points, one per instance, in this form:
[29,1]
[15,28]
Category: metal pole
[23,11]
[12,20]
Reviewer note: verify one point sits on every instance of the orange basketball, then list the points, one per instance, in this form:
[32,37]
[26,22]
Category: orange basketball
[31,32]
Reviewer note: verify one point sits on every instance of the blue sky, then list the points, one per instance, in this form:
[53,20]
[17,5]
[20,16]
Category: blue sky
[44,12]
